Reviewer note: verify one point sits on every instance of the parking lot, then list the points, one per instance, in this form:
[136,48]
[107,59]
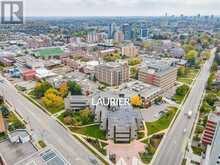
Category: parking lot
[154,112]
[13,153]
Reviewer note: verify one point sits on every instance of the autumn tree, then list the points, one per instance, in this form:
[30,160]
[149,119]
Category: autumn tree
[52,99]
[136,101]
[41,88]
[64,90]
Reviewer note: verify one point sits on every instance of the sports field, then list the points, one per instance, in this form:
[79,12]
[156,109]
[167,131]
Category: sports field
[49,52]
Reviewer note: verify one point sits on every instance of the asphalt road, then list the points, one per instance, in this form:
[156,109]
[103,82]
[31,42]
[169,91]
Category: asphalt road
[173,144]
[47,128]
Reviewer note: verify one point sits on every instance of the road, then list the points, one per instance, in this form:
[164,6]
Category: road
[47,128]
[173,144]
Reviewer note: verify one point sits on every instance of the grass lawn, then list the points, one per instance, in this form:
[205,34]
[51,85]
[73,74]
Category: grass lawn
[187,81]
[197,150]
[98,145]
[42,144]
[48,52]
[140,135]
[146,158]
[77,117]
[162,123]
[14,122]
[177,98]
[152,145]
[55,110]
[92,131]
[188,78]
[3,136]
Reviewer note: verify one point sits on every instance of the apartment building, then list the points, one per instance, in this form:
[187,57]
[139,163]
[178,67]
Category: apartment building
[92,36]
[211,127]
[159,73]
[112,73]
[130,50]
[211,138]
[119,36]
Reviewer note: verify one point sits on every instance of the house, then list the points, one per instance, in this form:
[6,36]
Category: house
[19,136]
[177,52]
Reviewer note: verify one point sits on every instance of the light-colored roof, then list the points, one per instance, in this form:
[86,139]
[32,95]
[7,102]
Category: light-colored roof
[19,133]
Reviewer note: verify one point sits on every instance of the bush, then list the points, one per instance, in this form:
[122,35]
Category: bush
[182,90]
[68,120]
[134,61]
[211,98]
[86,116]
[5,111]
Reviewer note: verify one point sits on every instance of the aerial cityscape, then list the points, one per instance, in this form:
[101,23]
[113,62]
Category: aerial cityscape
[110,82]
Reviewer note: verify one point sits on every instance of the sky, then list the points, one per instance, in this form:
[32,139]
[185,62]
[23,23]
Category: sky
[120,7]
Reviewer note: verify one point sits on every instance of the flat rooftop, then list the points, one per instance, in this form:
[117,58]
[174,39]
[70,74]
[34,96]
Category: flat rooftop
[48,156]
[137,87]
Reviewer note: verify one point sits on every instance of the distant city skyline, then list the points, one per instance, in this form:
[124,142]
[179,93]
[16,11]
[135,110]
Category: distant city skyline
[120,7]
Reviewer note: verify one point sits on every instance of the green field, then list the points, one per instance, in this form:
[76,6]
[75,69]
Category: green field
[49,52]
[162,123]
[92,131]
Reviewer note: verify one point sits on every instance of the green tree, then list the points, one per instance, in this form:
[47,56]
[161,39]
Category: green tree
[134,72]
[188,47]
[41,88]
[181,71]
[74,88]
[214,67]
[210,80]
[205,108]
[191,56]
[86,116]
[5,111]
[134,61]
[211,98]
[182,90]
